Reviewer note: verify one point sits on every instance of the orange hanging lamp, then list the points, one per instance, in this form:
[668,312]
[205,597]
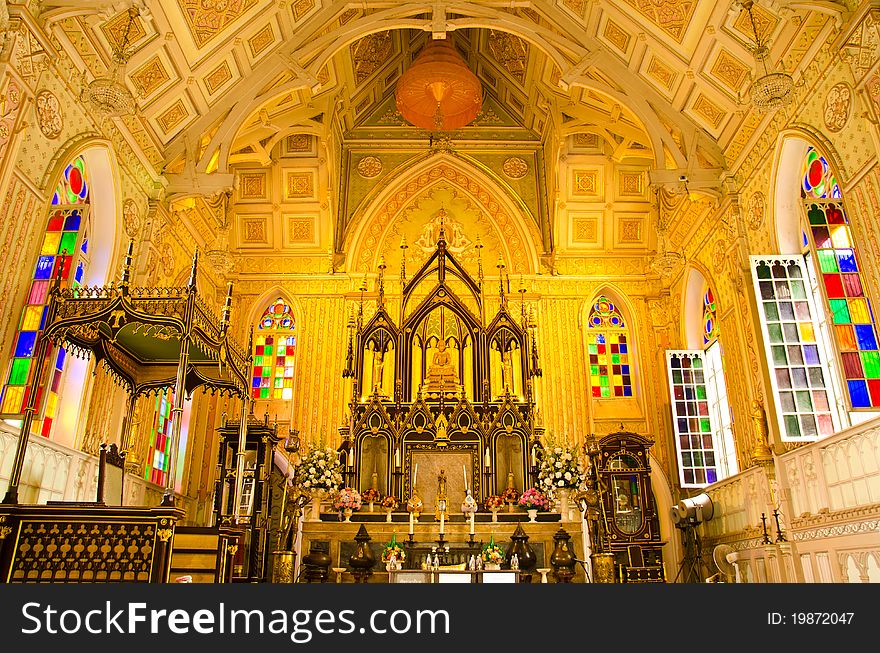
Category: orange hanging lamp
[439,92]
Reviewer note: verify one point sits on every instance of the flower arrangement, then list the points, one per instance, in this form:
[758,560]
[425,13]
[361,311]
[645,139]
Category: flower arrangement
[560,468]
[347,499]
[493,502]
[390,502]
[510,495]
[393,547]
[492,553]
[319,469]
[370,495]
[534,499]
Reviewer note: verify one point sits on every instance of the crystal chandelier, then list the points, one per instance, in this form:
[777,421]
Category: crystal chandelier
[665,263]
[770,90]
[108,94]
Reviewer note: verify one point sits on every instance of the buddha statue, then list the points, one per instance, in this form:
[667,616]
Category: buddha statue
[441,371]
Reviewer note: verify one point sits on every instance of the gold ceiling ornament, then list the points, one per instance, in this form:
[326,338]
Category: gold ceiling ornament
[108,94]
[439,93]
[770,90]
[666,263]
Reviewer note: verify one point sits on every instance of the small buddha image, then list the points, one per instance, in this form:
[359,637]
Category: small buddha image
[441,372]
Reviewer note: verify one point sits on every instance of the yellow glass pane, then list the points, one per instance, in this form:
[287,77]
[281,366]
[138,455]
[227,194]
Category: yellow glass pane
[287,393]
[279,372]
[840,236]
[806,330]
[594,380]
[51,405]
[288,383]
[288,361]
[31,320]
[616,380]
[12,399]
[858,311]
[51,241]
[277,394]
[261,340]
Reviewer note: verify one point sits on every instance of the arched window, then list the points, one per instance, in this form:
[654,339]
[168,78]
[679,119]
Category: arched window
[66,233]
[609,351]
[702,418]
[274,353]
[838,272]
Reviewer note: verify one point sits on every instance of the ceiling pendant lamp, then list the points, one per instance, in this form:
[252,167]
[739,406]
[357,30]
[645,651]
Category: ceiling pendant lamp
[439,93]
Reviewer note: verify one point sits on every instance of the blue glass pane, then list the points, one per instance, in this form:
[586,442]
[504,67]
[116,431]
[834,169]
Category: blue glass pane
[624,349]
[847,260]
[256,383]
[811,354]
[43,317]
[624,369]
[44,267]
[85,246]
[25,346]
[711,475]
[600,338]
[59,362]
[858,394]
[72,221]
[865,336]
[627,391]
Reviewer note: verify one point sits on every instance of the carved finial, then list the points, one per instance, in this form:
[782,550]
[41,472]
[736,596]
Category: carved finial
[500,266]
[227,309]
[442,235]
[380,302]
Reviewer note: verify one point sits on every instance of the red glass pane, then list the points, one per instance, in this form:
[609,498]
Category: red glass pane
[852,365]
[874,391]
[833,286]
[853,285]
[815,173]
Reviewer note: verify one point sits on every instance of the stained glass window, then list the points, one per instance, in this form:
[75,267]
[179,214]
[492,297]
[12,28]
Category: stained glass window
[791,337]
[692,418]
[67,219]
[159,453]
[710,320]
[839,274]
[608,349]
[274,353]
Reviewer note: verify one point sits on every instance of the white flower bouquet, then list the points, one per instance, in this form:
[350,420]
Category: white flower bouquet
[319,469]
[560,468]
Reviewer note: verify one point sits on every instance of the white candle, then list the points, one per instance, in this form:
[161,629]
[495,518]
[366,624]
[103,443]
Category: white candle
[464,469]
[534,459]
[415,475]
[411,526]
[472,522]
[442,521]
[397,457]
[488,460]
[351,457]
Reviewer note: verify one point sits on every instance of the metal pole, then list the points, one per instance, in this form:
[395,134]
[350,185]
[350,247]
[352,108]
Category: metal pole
[176,420]
[239,467]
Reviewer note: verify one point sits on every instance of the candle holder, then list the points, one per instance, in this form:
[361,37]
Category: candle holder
[533,474]
[487,474]
[397,482]
[766,538]
[780,537]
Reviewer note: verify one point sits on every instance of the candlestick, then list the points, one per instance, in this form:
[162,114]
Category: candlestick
[351,457]
[472,523]
[397,457]
[411,523]
[488,459]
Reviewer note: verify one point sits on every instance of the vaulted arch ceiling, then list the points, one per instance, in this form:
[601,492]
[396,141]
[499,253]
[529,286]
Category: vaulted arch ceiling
[666,76]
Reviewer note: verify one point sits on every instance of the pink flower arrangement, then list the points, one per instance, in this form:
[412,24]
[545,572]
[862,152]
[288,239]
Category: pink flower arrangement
[493,501]
[370,495]
[534,499]
[347,498]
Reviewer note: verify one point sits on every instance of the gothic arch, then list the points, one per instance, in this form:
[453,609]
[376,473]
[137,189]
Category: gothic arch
[785,184]
[696,278]
[373,219]
[259,305]
[628,312]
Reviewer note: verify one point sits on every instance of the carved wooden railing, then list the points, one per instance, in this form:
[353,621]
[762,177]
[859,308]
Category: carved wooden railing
[86,544]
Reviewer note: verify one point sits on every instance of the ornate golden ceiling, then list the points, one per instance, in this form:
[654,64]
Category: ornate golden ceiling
[222,83]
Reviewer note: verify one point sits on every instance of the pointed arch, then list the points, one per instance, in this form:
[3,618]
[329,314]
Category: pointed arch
[611,353]
[275,335]
[372,221]
[698,282]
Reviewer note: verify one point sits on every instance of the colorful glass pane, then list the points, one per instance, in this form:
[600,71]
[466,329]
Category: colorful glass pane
[61,236]
[159,452]
[74,185]
[273,354]
[790,335]
[710,320]
[840,277]
[608,351]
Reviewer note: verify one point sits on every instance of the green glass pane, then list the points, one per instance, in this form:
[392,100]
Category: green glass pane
[615,359]
[19,373]
[68,242]
[593,349]
[267,370]
[771,311]
[603,381]
[839,311]
[701,392]
[606,392]
[763,271]
[798,290]
[775,332]
[267,350]
[827,260]
[779,356]
[792,428]
[816,215]
[871,363]
[676,376]
[705,427]
[804,403]
[279,383]
[264,393]
[258,361]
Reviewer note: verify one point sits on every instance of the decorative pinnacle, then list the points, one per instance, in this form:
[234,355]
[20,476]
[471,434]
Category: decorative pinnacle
[194,270]
[126,267]
[227,309]
[403,248]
